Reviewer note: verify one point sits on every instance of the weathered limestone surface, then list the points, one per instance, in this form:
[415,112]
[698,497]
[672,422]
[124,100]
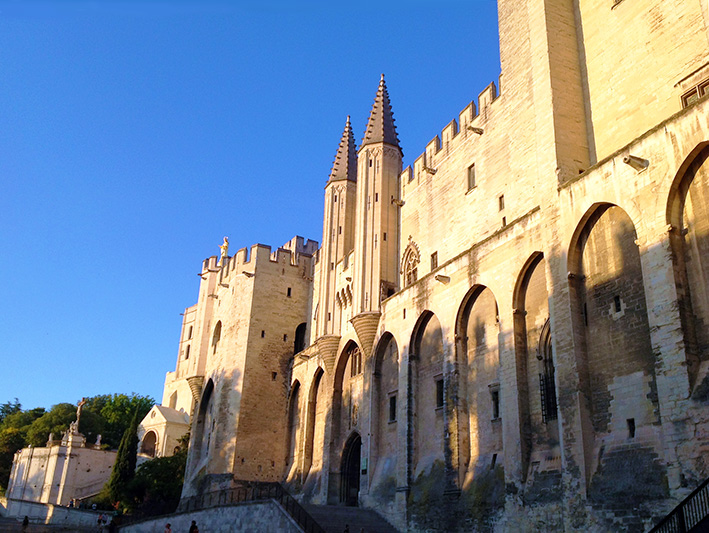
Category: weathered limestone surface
[510,334]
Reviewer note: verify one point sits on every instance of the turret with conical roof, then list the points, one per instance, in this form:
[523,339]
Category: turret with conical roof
[338,230]
[377,227]
[345,165]
[380,127]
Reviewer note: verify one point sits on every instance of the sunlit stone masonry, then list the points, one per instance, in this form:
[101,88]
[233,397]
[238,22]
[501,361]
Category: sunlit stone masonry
[512,334]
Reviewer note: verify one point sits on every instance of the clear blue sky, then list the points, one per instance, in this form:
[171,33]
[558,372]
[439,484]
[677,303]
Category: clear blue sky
[133,138]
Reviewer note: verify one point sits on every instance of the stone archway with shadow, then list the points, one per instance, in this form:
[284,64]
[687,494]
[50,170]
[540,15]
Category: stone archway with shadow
[350,470]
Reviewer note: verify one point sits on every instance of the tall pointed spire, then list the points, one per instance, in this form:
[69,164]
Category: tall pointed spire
[345,165]
[380,127]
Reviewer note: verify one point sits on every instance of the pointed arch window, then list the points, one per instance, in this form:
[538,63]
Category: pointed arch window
[547,388]
[216,336]
[409,264]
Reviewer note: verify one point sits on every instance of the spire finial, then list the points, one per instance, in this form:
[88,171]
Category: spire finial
[345,165]
[380,127]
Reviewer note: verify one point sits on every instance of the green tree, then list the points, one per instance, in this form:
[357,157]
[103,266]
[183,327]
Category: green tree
[13,437]
[55,421]
[22,419]
[116,412]
[9,408]
[11,440]
[124,467]
[157,486]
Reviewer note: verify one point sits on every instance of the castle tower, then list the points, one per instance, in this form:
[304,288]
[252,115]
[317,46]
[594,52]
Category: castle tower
[338,228]
[376,233]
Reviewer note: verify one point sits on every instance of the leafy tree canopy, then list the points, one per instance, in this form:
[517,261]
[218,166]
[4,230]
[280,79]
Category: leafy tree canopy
[9,408]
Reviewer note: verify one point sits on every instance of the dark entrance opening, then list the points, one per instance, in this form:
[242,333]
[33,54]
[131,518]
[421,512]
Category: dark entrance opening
[349,488]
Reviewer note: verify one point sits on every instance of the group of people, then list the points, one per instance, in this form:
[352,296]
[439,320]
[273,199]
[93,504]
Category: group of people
[193,528]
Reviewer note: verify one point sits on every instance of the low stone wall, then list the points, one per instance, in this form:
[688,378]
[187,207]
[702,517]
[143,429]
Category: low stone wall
[244,517]
[47,513]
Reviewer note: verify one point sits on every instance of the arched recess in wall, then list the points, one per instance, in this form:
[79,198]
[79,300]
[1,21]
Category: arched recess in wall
[536,384]
[314,426]
[293,431]
[150,440]
[299,342]
[428,391]
[347,397]
[620,410]
[480,414]
[216,336]
[204,425]
[688,219]
[384,416]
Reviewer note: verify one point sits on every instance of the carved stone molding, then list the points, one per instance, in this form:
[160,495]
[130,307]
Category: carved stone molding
[327,348]
[196,383]
[365,325]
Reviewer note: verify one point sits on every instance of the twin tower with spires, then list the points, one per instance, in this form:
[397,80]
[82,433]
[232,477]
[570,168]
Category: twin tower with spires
[360,224]
[263,317]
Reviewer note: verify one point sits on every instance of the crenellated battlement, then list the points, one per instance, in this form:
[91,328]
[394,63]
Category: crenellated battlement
[470,120]
[296,253]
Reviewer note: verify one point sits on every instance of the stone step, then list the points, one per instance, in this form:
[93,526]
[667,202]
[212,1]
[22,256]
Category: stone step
[335,518]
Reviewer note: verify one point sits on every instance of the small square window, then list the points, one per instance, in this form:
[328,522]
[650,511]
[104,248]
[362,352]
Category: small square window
[695,94]
[439,392]
[392,408]
[471,176]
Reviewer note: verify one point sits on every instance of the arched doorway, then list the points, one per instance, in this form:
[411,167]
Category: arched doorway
[349,488]
[149,442]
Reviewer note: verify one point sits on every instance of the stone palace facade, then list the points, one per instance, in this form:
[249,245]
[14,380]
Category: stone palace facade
[510,334]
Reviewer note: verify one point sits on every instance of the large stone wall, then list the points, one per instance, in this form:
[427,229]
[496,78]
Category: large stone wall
[543,361]
[243,518]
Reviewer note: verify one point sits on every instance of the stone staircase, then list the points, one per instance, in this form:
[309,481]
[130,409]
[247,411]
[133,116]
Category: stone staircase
[334,519]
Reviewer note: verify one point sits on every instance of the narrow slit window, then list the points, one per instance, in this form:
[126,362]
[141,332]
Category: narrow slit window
[439,393]
[631,428]
[392,408]
[495,396]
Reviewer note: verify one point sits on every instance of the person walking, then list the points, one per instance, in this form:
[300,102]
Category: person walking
[168,528]
[194,528]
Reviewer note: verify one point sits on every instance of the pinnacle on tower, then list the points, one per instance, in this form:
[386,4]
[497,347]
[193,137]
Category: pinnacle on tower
[345,165]
[380,127]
